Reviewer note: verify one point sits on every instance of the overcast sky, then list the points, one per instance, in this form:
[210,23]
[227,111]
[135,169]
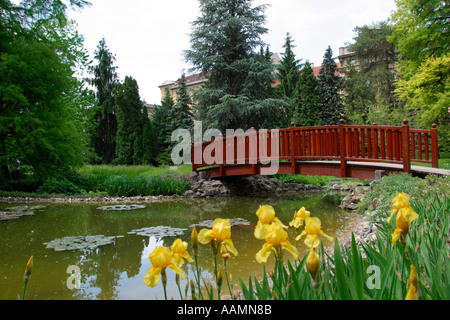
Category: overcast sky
[148,37]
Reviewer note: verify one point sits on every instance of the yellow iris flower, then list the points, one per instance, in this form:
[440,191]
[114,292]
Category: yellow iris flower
[179,251]
[400,203]
[161,258]
[405,215]
[220,234]
[413,283]
[313,228]
[299,218]
[266,216]
[276,240]
[313,263]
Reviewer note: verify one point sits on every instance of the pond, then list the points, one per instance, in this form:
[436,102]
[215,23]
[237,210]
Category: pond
[115,270]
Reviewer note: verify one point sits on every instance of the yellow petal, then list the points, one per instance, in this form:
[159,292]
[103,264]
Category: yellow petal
[266,214]
[410,214]
[392,214]
[188,257]
[312,241]
[326,236]
[300,236]
[396,234]
[264,253]
[290,248]
[177,260]
[412,293]
[176,269]
[152,277]
[161,257]
[401,200]
[260,230]
[313,263]
[229,246]
[313,225]
[221,229]
[205,236]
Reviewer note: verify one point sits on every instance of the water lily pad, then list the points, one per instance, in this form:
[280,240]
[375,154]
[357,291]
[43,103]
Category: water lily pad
[159,232]
[80,242]
[26,208]
[7,215]
[122,207]
[233,222]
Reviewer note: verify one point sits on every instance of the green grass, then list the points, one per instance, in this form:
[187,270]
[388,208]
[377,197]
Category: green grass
[444,161]
[133,171]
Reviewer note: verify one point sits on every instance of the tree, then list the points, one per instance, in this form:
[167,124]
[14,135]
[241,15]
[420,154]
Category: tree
[421,35]
[223,41]
[288,75]
[162,123]
[105,80]
[370,82]
[128,114]
[420,31]
[181,113]
[39,49]
[330,85]
[307,99]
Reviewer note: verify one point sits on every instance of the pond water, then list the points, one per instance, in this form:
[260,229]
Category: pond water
[116,270]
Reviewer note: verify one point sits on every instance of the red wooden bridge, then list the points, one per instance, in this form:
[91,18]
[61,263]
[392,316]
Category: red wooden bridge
[339,150]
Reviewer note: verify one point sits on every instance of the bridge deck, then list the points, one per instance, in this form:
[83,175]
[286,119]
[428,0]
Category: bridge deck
[355,169]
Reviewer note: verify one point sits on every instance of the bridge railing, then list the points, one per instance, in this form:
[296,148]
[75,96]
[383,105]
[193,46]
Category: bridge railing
[373,143]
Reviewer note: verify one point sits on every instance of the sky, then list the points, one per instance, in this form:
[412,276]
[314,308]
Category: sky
[148,37]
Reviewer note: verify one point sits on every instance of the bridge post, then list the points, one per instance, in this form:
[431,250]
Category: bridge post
[293,170]
[434,147]
[342,146]
[406,145]
[221,154]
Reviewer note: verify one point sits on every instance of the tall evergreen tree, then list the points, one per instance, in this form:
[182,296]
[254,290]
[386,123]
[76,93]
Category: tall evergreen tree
[330,85]
[129,115]
[288,75]
[105,80]
[370,82]
[223,41]
[181,113]
[161,121]
[307,99]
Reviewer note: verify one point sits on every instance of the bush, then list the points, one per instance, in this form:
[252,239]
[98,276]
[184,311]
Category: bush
[60,187]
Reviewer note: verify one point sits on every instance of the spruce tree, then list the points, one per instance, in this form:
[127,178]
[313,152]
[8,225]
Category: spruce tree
[288,75]
[129,123]
[181,113]
[307,99]
[330,85]
[105,80]
[223,44]
[161,122]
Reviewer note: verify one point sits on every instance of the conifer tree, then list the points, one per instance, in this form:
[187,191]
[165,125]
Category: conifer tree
[181,114]
[161,122]
[288,75]
[105,80]
[223,44]
[129,127]
[330,85]
[307,99]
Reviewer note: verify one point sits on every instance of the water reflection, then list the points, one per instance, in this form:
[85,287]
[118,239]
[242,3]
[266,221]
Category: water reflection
[116,271]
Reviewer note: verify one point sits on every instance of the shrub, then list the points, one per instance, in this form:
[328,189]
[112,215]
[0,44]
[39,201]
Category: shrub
[60,187]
